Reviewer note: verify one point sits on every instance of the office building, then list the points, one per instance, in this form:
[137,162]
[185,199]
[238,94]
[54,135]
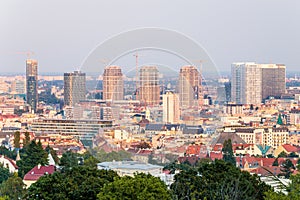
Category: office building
[84,130]
[246,83]
[32,83]
[273,80]
[74,87]
[113,85]
[149,90]
[190,87]
[171,108]
[252,83]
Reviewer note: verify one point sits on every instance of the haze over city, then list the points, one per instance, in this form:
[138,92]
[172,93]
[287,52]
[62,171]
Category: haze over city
[61,34]
[150,100]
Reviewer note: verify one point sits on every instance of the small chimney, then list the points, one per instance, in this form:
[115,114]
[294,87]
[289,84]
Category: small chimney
[39,166]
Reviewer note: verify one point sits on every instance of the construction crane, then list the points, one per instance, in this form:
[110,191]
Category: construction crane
[27,53]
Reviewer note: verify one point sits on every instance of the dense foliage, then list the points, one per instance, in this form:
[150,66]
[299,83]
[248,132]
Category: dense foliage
[217,180]
[228,152]
[31,155]
[13,188]
[79,182]
[102,156]
[139,187]
[4,173]
[6,152]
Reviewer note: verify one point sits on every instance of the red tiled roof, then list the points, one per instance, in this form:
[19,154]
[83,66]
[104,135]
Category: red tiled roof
[214,156]
[196,150]
[290,148]
[263,172]
[191,159]
[38,171]
[11,161]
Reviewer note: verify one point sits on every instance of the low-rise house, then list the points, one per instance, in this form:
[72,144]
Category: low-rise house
[9,163]
[38,171]
[287,148]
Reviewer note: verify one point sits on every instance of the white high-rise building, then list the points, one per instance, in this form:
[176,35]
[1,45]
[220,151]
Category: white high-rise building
[171,110]
[246,83]
[252,83]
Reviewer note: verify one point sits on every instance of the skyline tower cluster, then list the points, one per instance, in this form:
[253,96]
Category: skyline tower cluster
[148,88]
[252,83]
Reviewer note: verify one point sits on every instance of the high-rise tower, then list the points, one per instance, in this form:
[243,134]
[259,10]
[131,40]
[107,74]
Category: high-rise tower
[246,83]
[273,80]
[171,111]
[32,83]
[74,87]
[252,83]
[190,87]
[113,85]
[149,90]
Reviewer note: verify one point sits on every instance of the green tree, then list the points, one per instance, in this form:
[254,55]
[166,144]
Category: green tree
[69,159]
[228,152]
[275,163]
[13,187]
[139,187]
[90,160]
[282,155]
[32,155]
[173,166]
[78,183]
[102,156]
[4,173]
[6,152]
[287,168]
[293,155]
[17,139]
[279,120]
[218,180]
[27,139]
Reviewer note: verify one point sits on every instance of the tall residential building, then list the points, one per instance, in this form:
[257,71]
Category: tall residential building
[149,90]
[251,82]
[273,80]
[113,85]
[32,83]
[74,87]
[190,87]
[171,108]
[246,83]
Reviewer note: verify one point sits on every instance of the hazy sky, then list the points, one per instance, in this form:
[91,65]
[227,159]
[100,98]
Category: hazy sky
[62,33]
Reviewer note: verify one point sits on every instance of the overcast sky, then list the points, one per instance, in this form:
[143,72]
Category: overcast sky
[62,33]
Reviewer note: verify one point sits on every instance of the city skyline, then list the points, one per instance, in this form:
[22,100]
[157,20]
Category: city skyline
[69,43]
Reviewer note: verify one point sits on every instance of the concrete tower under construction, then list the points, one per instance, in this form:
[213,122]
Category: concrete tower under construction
[190,87]
[113,84]
[149,90]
